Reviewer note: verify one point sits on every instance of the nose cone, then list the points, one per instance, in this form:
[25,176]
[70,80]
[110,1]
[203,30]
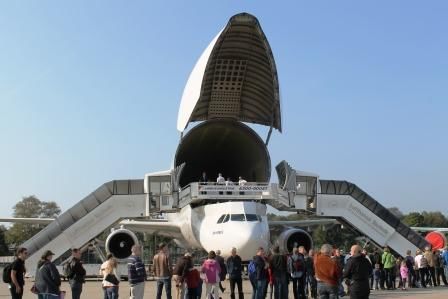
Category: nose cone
[247,237]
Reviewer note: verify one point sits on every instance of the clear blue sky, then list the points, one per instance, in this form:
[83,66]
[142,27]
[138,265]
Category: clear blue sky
[89,92]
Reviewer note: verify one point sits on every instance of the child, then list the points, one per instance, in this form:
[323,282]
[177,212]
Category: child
[192,279]
[377,276]
[404,271]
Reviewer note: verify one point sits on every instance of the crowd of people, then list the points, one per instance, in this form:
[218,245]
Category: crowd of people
[329,273]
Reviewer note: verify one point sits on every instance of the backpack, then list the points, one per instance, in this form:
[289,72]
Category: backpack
[7,273]
[297,265]
[252,270]
[68,269]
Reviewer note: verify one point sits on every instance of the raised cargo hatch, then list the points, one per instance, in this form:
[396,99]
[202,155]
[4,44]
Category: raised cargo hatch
[234,78]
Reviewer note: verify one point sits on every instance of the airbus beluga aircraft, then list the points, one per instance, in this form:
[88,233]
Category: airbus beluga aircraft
[234,81]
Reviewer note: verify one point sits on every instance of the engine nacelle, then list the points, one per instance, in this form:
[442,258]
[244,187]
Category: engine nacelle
[294,237]
[120,243]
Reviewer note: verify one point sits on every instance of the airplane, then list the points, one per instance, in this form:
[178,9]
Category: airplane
[434,235]
[234,82]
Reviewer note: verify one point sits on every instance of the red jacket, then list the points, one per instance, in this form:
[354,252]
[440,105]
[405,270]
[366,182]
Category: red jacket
[326,269]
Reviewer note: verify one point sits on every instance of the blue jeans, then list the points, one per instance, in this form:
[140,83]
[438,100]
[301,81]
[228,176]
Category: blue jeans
[326,291]
[112,292]
[76,289]
[160,284]
[261,286]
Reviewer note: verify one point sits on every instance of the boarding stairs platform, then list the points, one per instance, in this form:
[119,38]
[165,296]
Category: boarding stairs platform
[349,203]
[87,219]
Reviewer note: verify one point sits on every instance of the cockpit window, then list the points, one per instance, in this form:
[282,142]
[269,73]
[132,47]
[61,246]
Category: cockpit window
[237,217]
[226,218]
[221,218]
[252,217]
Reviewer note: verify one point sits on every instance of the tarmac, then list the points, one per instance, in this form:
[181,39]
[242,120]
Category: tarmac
[92,290]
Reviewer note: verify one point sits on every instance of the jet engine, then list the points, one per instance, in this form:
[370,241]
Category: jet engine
[294,237]
[223,146]
[120,243]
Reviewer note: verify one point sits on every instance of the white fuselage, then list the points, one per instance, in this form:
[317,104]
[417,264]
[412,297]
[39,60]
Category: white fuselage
[238,224]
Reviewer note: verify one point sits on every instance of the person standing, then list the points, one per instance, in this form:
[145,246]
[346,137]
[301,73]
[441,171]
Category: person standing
[260,279]
[162,271]
[388,261]
[77,273]
[223,273]
[211,269]
[409,259]
[327,273]
[278,265]
[183,264]
[220,180]
[422,265]
[241,181]
[17,273]
[234,270]
[431,266]
[297,270]
[136,273]
[404,274]
[103,267]
[47,281]
[203,179]
[110,279]
[358,270]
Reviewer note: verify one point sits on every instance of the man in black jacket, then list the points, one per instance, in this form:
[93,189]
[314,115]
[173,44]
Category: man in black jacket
[358,269]
[234,268]
[77,273]
[17,273]
[278,267]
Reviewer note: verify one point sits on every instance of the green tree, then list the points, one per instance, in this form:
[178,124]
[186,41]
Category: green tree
[434,219]
[30,207]
[414,219]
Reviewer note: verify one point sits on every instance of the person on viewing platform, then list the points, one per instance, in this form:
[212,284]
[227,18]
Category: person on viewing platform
[229,182]
[203,178]
[220,180]
[241,181]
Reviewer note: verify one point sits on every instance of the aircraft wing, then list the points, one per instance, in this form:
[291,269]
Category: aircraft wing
[27,220]
[429,229]
[303,223]
[159,227]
